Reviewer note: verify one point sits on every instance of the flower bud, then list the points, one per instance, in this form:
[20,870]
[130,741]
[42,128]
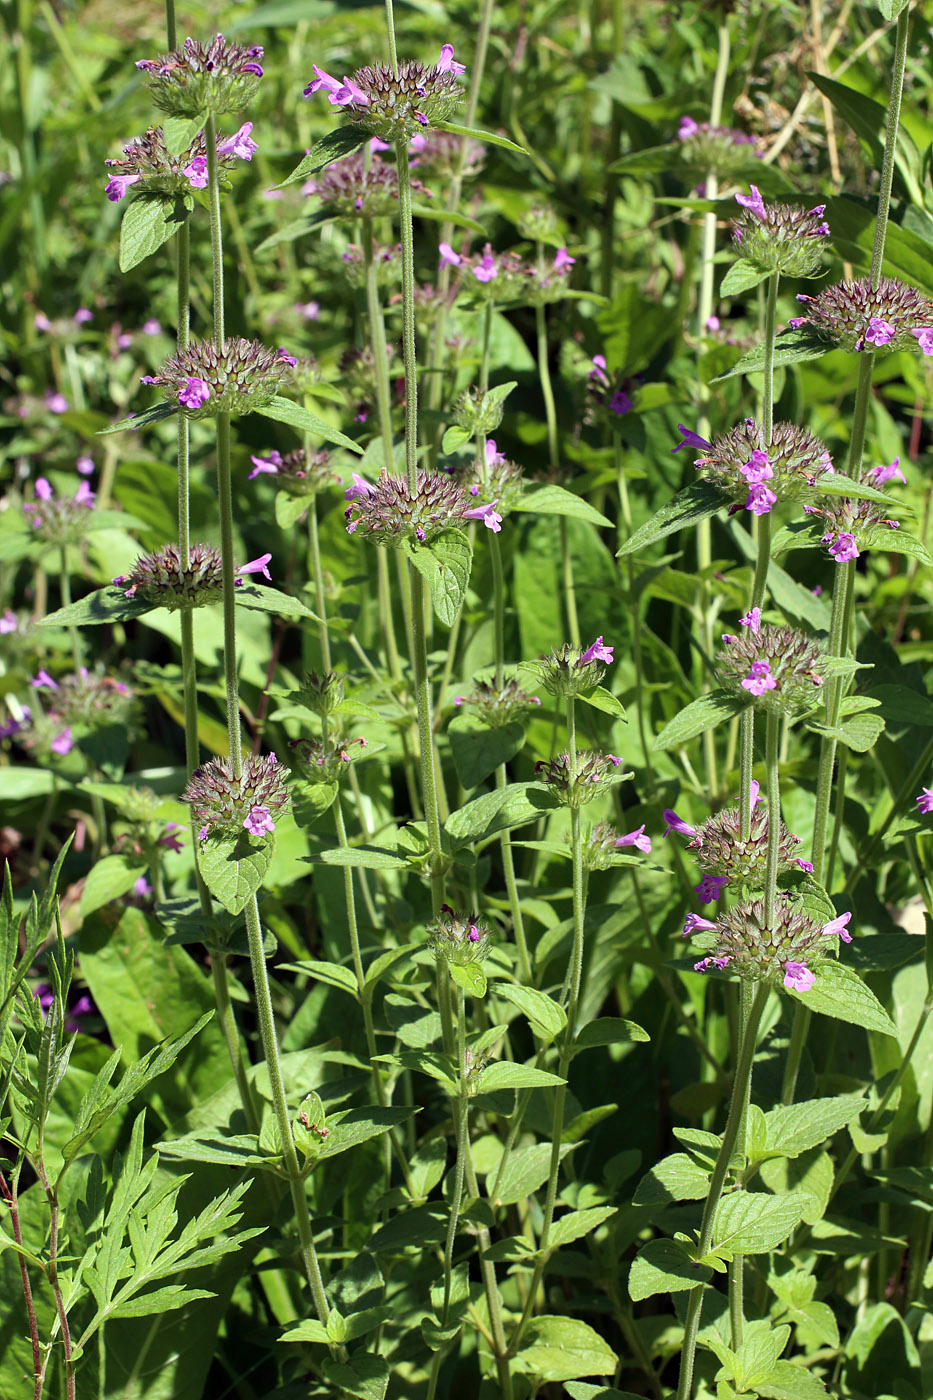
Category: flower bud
[459,938]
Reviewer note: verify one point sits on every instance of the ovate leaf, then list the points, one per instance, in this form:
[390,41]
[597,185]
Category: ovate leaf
[284,411]
[233,867]
[664,1266]
[696,502]
[840,992]
[706,712]
[149,222]
[340,142]
[563,1348]
[445,563]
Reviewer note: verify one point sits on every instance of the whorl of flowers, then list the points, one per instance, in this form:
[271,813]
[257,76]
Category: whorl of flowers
[87,698]
[217,77]
[386,512]
[507,277]
[570,670]
[577,781]
[603,842]
[499,705]
[386,262]
[857,316]
[779,667]
[224,805]
[783,954]
[719,849]
[606,395]
[356,186]
[323,693]
[501,484]
[459,938]
[757,474]
[396,107]
[147,162]
[780,237]
[300,473]
[854,525]
[59,519]
[326,761]
[720,149]
[444,155]
[203,381]
[163,580]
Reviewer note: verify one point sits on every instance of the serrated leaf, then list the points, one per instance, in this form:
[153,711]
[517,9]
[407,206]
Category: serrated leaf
[794,1128]
[469,977]
[790,348]
[554,500]
[675,1178]
[741,277]
[455,437]
[105,606]
[233,867]
[108,879]
[608,1030]
[664,1266]
[526,1170]
[895,542]
[340,142]
[546,1016]
[492,812]
[506,1074]
[270,600]
[749,1222]
[841,993]
[179,132]
[385,962]
[310,800]
[445,562]
[706,712]
[789,1381]
[577,1223]
[602,699]
[156,414]
[478,748]
[369,857]
[696,502]
[289,508]
[489,137]
[563,1348]
[149,221]
[296,416]
[355,1125]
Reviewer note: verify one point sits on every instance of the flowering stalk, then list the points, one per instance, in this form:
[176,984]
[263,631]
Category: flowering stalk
[65,584]
[550,413]
[461,1111]
[740,1091]
[634,603]
[408,314]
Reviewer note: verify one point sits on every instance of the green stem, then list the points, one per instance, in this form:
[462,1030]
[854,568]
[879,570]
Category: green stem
[408,315]
[217,249]
[634,603]
[228,574]
[377,336]
[170,23]
[890,143]
[740,1091]
[317,575]
[390,27]
[65,585]
[767,403]
[746,765]
[772,768]
[426,738]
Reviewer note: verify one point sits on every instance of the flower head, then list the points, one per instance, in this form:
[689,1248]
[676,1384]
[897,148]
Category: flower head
[459,938]
[59,520]
[223,805]
[856,315]
[925,801]
[578,780]
[388,512]
[778,665]
[791,463]
[568,671]
[146,161]
[396,106]
[358,186]
[499,705]
[165,582]
[300,473]
[780,237]
[205,381]
[782,953]
[217,77]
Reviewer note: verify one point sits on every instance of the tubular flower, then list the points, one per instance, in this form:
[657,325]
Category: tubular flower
[387,513]
[782,955]
[300,473]
[856,316]
[780,237]
[570,670]
[396,107]
[925,801]
[162,580]
[147,162]
[854,525]
[740,464]
[603,845]
[224,805]
[216,77]
[780,666]
[205,381]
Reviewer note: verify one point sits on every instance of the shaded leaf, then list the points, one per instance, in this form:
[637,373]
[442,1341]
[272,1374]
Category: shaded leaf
[296,416]
[445,563]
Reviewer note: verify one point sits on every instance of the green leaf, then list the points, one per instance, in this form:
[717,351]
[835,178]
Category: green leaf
[478,748]
[233,867]
[442,215]
[901,705]
[369,857]
[608,1030]
[890,9]
[868,120]
[310,800]
[859,733]
[577,1223]
[696,502]
[602,699]
[355,1125]
[664,1266]
[546,1017]
[789,1381]
[488,137]
[841,993]
[340,142]
[749,1222]
[895,542]
[506,1074]
[155,414]
[289,508]
[469,977]
[554,500]
[335,974]
[675,1178]
[445,562]
[385,962]
[790,348]
[109,879]
[580,1390]
[455,437]
[149,221]
[284,411]
[706,712]
[794,1128]
[563,1348]
[105,606]
[526,1170]
[491,812]
[742,276]
[270,600]
[179,132]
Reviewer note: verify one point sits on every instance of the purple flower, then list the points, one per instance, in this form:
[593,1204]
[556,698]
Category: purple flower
[258,821]
[836,928]
[152,327]
[759,679]
[925,801]
[881,475]
[694,921]
[842,547]
[562,260]
[924,336]
[620,402]
[82,316]
[239,144]
[806,865]
[757,469]
[598,372]
[688,127]
[56,403]
[712,323]
[43,489]
[675,823]
[8,622]
[710,888]
[142,888]
[310,310]
[447,63]
[84,496]
[264,466]
[752,619]
[84,466]
[360,487]
[257,566]
[118,185]
[195,392]
[63,742]
[596,652]
[196,172]
[880,332]
[690,439]
[635,838]
[798,977]
[487,268]
[169,839]
[286,358]
[753,202]
[490,517]
[759,500]
[323,82]
[42,322]
[43,681]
